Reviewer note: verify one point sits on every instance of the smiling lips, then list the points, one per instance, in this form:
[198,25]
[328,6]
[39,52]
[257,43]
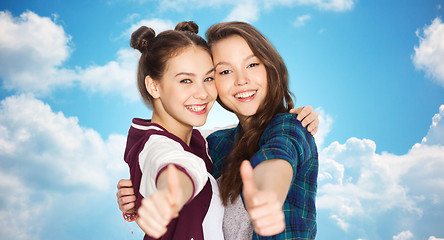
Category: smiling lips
[197,108]
[245,96]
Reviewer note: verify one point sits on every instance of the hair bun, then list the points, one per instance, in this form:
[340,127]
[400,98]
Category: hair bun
[141,37]
[189,26]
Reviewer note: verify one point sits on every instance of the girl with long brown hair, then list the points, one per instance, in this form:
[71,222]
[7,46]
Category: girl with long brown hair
[278,180]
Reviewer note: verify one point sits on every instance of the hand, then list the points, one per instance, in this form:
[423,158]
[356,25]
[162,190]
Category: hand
[308,117]
[125,196]
[264,208]
[157,210]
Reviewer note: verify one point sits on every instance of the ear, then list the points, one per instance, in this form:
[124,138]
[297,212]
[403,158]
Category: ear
[151,86]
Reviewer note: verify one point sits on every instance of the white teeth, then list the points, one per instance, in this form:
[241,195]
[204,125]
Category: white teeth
[245,94]
[196,108]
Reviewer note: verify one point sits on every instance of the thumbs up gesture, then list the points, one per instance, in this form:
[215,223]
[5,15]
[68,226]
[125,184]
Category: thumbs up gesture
[157,210]
[263,207]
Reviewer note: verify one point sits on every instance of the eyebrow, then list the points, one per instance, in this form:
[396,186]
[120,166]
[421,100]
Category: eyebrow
[192,74]
[226,63]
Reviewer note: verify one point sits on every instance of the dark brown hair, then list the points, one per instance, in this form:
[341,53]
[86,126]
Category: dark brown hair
[157,50]
[277,100]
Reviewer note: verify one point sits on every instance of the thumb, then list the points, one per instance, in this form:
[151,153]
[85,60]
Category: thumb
[173,185]
[246,172]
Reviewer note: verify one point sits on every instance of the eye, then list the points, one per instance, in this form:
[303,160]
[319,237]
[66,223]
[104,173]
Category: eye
[253,65]
[185,81]
[208,79]
[224,72]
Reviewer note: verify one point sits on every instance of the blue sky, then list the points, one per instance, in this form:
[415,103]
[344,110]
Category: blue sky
[374,70]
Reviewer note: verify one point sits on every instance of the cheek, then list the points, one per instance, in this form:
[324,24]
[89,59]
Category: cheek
[222,87]
[263,76]
[212,91]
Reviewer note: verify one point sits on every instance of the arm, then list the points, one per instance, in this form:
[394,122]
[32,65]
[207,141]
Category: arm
[274,176]
[164,192]
[265,189]
[275,164]
[160,206]
[174,189]
[125,193]
[176,180]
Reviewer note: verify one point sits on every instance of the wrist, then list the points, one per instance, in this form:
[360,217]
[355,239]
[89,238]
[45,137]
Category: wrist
[130,217]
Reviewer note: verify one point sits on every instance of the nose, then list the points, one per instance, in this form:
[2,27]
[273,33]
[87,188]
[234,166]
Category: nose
[201,92]
[241,78]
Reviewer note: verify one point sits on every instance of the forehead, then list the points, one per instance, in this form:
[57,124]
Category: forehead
[191,60]
[229,48]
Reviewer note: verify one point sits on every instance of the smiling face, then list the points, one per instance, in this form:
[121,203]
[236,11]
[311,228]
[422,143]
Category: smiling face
[186,92]
[241,78]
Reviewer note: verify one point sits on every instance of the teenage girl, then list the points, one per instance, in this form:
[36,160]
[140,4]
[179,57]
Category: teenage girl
[169,165]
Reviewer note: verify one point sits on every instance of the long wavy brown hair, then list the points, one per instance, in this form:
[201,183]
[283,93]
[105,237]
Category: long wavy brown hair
[278,100]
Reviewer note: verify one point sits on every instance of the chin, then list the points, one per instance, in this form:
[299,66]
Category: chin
[199,123]
[248,113]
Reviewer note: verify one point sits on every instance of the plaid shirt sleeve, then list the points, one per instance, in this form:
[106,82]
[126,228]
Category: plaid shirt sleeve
[286,139]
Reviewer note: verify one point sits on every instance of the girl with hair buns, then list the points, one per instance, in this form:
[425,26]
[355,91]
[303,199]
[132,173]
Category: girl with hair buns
[176,196]
[280,173]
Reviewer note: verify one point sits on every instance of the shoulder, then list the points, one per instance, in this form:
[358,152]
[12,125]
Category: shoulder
[197,137]
[285,138]
[286,123]
[287,126]
[221,142]
[146,133]
[219,135]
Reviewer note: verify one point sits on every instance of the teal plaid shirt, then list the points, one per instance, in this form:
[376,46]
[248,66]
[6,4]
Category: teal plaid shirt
[284,138]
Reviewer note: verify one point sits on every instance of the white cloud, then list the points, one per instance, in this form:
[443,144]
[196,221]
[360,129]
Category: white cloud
[131,18]
[429,55]
[158,25]
[116,77]
[51,141]
[20,223]
[357,183]
[32,50]
[332,5]
[326,5]
[340,222]
[435,238]
[406,235]
[325,124]
[50,160]
[300,21]
[178,5]
[247,11]
[435,134]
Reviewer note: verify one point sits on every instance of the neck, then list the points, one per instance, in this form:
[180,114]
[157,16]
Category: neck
[180,130]
[242,120]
